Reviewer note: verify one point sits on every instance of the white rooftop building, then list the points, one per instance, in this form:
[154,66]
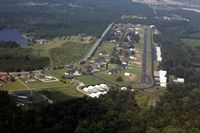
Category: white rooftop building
[179,80]
[158,53]
[97,90]
[163,78]
[127,74]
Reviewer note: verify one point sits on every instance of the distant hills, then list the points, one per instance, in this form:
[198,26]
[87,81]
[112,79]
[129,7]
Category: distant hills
[182,3]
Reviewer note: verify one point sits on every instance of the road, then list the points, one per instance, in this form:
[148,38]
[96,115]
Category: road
[143,80]
[97,43]
[152,56]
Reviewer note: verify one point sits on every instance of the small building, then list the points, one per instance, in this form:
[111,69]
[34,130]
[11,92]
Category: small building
[103,53]
[132,50]
[115,70]
[132,57]
[123,88]
[127,74]
[41,41]
[73,72]
[22,94]
[158,53]
[179,80]
[39,75]
[97,90]
[3,75]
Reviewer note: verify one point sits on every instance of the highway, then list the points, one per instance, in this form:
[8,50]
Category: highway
[143,80]
[97,43]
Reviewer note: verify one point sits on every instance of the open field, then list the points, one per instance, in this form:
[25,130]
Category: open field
[56,52]
[112,78]
[191,42]
[13,86]
[89,80]
[63,50]
[105,46]
[56,91]
[57,73]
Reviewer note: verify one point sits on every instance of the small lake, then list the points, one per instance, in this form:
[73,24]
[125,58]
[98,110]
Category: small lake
[12,35]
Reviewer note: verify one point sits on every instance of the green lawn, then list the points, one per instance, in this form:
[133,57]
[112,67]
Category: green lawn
[112,78]
[89,80]
[57,73]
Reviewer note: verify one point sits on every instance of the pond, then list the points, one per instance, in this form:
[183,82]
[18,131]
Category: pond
[12,35]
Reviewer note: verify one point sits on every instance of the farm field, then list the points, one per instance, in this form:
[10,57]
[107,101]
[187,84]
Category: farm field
[56,91]
[63,50]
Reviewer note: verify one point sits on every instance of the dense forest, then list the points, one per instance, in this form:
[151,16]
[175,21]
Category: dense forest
[52,18]
[177,112]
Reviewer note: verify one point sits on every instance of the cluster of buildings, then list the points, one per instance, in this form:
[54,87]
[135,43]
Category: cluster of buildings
[163,78]
[45,78]
[126,30]
[97,90]
[125,51]
[162,74]
[3,75]
[93,66]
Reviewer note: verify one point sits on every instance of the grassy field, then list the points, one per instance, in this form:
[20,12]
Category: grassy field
[63,50]
[89,80]
[56,91]
[13,86]
[105,46]
[112,78]
[191,42]
[57,73]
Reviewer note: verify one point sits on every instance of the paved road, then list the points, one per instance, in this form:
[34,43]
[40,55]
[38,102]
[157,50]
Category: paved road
[97,43]
[143,80]
[152,56]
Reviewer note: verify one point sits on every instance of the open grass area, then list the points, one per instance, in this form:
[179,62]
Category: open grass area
[112,78]
[106,47]
[56,91]
[57,73]
[12,86]
[61,94]
[63,50]
[191,42]
[89,80]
